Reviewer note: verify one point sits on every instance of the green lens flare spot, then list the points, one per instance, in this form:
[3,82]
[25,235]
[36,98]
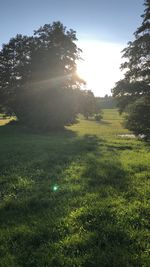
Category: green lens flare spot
[55,188]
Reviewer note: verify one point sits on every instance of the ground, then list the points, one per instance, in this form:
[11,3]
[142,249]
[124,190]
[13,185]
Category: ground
[74,198]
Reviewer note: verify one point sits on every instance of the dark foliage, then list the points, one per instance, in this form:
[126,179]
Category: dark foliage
[138,118]
[134,89]
[38,81]
[89,105]
[98,117]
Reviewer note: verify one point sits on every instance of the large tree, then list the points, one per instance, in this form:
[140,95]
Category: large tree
[133,91]
[38,81]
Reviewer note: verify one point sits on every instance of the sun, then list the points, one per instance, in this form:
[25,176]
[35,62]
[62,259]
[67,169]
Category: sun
[100,67]
[83,70]
[89,70]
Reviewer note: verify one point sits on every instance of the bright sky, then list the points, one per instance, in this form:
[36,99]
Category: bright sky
[100,67]
[103,29]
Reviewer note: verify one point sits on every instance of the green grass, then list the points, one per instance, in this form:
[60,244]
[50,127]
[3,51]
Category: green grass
[74,198]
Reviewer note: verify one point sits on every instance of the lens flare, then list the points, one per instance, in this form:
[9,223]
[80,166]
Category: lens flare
[55,188]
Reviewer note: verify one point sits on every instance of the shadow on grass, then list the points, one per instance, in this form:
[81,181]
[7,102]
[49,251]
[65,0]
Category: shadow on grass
[31,165]
[13,127]
[120,147]
[105,171]
[75,225]
[103,122]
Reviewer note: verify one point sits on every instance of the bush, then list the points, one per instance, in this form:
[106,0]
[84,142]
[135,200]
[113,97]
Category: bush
[138,117]
[98,117]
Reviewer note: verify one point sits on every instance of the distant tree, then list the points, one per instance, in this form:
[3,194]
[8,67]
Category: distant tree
[38,81]
[89,105]
[133,92]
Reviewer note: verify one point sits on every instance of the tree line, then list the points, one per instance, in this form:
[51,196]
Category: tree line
[106,102]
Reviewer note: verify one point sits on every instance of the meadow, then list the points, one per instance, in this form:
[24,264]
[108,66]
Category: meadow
[76,198]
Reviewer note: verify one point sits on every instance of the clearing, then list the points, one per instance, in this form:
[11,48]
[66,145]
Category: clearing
[74,198]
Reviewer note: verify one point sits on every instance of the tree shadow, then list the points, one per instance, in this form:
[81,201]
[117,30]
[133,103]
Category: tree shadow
[15,127]
[103,122]
[119,147]
[59,228]
[38,159]
[105,171]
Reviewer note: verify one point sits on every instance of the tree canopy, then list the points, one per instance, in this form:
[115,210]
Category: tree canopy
[38,80]
[134,88]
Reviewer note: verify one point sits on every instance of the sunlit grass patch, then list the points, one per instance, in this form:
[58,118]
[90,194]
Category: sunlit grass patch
[74,198]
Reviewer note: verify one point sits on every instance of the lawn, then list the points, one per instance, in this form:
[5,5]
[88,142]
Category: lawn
[76,198]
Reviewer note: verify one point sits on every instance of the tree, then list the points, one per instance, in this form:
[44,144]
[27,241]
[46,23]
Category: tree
[138,117]
[133,91]
[38,81]
[89,104]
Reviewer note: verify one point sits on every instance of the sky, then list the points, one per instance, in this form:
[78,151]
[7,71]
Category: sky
[104,27]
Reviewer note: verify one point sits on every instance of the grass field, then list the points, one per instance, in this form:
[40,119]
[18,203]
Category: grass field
[74,198]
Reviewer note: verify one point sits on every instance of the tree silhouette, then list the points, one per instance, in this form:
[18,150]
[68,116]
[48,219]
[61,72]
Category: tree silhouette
[38,80]
[133,92]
